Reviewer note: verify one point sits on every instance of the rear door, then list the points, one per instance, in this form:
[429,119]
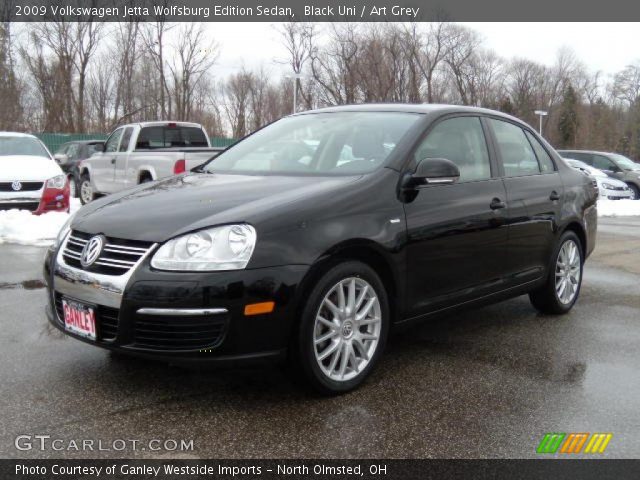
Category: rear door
[534,195]
[457,235]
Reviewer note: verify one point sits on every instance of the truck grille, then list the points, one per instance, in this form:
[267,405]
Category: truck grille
[106,319]
[167,333]
[117,257]
[24,186]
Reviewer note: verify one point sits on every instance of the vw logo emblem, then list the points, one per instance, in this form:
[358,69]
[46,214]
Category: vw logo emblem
[16,186]
[92,250]
[347,329]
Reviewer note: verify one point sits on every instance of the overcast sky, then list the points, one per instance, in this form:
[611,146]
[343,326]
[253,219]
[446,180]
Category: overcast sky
[602,46]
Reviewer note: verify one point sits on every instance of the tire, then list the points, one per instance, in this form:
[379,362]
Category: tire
[73,186]
[87,194]
[361,344]
[553,298]
[635,191]
[146,178]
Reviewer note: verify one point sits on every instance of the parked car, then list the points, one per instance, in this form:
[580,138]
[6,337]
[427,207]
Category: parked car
[70,154]
[143,152]
[306,256]
[29,177]
[613,164]
[608,187]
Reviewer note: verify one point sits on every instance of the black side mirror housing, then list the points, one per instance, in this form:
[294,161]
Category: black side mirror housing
[433,171]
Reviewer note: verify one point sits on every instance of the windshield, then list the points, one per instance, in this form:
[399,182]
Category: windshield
[22,146]
[343,143]
[625,162]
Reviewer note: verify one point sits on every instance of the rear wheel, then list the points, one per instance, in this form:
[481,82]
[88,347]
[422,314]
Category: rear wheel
[635,191]
[344,328]
[87,193]
[561,291]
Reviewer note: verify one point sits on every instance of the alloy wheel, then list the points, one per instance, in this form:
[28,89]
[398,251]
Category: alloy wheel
[86,191]
[347,329]
[568,272]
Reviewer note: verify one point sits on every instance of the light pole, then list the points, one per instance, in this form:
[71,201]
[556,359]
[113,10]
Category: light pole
[541,113]
[295,77]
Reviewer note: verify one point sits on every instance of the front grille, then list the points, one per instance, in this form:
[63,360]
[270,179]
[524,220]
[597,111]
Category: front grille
[31,206]
[24,187]
[106,319]
[117,257]
[182,333]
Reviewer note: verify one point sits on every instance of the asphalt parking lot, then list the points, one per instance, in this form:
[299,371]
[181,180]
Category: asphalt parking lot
[488,382]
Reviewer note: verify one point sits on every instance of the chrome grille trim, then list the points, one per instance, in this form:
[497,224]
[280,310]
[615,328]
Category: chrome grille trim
[89,286]
[72,252]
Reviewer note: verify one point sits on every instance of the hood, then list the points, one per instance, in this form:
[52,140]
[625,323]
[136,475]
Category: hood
[158,211]
[27,168]
[611,181]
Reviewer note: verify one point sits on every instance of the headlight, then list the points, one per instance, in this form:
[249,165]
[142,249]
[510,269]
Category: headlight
[220,248]
[57,182]
[63,231]
[608,186]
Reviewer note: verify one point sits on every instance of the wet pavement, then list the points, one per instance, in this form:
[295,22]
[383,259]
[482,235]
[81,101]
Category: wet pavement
[488,382]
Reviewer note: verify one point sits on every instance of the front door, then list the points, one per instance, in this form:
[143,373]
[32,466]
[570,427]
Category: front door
[457,234]
[103,166]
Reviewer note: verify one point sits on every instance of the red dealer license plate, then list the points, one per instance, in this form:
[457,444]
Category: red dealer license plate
[79,319]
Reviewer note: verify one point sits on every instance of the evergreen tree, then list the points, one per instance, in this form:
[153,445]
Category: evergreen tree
[568,122]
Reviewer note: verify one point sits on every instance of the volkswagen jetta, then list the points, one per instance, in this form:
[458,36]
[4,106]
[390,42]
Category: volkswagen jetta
[313,237]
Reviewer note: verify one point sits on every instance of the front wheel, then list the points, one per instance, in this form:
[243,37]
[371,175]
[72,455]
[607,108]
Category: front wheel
[561,291]
[344,328]
[87,194]
[635,192]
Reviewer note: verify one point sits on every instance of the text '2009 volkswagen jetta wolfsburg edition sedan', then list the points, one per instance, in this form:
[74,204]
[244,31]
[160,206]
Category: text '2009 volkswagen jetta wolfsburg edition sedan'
[311,238]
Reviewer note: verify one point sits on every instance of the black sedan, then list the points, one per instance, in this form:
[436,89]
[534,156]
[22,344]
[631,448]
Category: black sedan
[312,238]
[69,156]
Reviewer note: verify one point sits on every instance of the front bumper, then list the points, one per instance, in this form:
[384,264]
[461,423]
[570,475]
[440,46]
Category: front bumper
[134,311]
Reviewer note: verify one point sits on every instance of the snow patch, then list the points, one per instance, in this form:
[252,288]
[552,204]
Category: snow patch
[618,208]
[24,228]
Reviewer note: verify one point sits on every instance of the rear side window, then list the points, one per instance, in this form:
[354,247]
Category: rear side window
[460,140]
[167,137]
[72,151]
[518,157]
[124,144]
[544,159]
[602,163]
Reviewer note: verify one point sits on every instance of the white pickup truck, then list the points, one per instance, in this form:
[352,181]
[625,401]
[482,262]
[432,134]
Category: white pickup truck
[143,152]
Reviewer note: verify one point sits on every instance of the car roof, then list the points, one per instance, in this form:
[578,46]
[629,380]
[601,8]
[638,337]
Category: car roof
[423,108]
[587,151]
[161,123]
[84,141]
[17,134]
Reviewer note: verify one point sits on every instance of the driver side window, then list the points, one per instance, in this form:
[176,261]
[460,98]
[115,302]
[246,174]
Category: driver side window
[114,140]
[460,140]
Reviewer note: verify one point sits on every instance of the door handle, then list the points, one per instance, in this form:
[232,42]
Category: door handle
[113,161]
[554,196]
[497,204]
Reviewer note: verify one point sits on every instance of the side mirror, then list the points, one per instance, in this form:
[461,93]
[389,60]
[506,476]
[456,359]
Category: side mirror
[433,171]
[61,158]
[615,169]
